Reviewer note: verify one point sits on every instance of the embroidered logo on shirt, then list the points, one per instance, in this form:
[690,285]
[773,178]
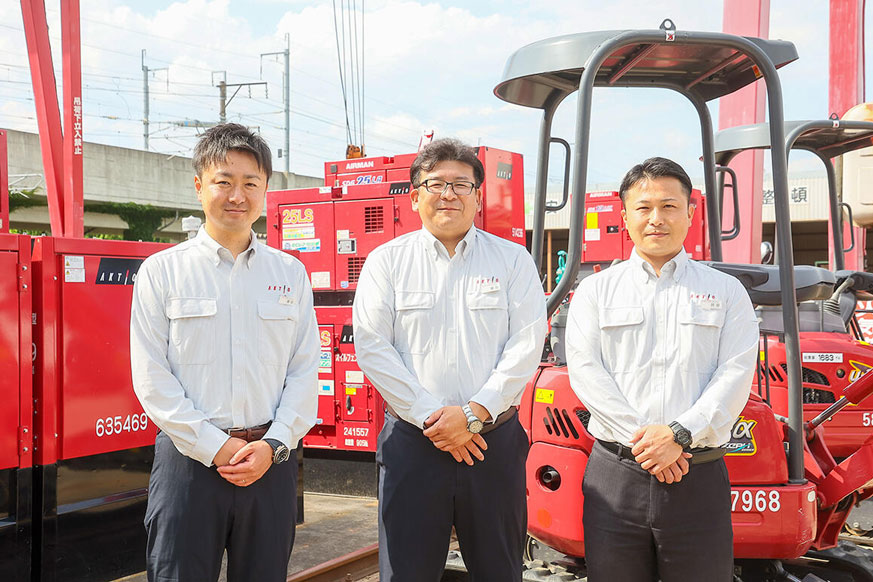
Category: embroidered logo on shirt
[282,288]
[705,300]
[487,284]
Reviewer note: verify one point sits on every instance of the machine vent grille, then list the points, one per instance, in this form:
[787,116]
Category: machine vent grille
[810,376]
[776,374]
[815,396]
[559,423]
[374,219]
[584,417]
[355,266]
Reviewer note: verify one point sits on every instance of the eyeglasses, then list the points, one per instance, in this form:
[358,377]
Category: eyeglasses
[435,186]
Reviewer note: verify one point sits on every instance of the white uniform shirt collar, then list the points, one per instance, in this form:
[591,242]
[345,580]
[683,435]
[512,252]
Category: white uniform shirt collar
[435,247]
[217,252]
[674,268]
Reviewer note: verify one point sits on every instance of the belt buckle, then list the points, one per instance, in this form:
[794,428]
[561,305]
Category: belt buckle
[235,429]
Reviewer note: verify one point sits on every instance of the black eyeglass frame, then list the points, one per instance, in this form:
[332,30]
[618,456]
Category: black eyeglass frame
[448,184]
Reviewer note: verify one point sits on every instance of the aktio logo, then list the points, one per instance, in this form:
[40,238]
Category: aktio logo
[117,271]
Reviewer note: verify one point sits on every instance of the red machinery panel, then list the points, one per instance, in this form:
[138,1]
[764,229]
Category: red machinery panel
[4,184]
[361,226]
[503,194]
[606,237]
[309,229]
[86,401]
[15,345]
[697,241]
[373,170]
[349,407]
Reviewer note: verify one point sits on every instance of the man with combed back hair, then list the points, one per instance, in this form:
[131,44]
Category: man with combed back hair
[449,324]
[662,351]
[224,354]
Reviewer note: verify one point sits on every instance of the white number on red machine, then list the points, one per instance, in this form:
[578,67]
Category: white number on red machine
[114,425]
[755,500]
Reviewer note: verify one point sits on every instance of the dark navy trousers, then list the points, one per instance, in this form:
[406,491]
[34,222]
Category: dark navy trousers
[423,492]
[193,514]
[638,529]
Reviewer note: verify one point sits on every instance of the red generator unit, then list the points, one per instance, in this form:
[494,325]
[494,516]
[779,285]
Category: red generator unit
[93,444]
[16,424]
[606,238]
[332,229]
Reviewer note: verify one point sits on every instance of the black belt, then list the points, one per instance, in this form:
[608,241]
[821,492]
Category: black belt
[251,434]
[489,426]
[700,455]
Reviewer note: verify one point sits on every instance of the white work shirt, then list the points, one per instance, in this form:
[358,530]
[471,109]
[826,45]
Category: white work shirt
[218,343]
[434,331]
[643,349]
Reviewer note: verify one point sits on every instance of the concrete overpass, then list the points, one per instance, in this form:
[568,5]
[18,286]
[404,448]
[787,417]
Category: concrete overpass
[114,174]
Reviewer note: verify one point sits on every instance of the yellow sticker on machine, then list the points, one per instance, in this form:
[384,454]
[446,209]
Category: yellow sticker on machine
[351,390]
[544,396]
[591,220]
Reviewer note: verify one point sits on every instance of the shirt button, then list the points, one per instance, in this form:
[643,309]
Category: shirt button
[236,307]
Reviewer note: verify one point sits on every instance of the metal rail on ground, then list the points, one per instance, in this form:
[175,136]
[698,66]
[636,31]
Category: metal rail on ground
[349,568]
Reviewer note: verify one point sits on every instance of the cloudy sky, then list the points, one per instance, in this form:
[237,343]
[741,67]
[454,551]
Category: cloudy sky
[426,65]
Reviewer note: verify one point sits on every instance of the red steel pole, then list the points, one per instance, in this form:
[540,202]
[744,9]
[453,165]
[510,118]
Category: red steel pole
[74,209]
[845,90]
[746,106]
[48,115]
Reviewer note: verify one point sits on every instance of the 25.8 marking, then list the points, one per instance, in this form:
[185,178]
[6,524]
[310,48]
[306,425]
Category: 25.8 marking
[748,500]
[117,424]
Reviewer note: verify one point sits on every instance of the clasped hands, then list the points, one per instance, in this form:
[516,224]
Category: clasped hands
[656,452]
[241,463]
[447,430]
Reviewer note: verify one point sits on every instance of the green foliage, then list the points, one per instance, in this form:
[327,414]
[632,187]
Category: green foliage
[143,220]
[24,198]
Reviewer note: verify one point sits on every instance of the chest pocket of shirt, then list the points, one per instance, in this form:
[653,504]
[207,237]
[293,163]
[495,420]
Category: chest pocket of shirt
[277,327]
[620,328]
[193,328]
[413,323]
[490,320]
[699,332]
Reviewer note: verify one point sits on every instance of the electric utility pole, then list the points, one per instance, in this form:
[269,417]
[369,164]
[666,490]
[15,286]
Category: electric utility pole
[222,92]
[287,96]
[145,98]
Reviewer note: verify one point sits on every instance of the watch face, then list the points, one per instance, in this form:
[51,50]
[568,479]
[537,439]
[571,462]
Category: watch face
[475,427]
[684,437]
[281,455]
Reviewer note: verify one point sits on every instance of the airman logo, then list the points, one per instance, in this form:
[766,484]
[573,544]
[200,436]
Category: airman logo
[742,443]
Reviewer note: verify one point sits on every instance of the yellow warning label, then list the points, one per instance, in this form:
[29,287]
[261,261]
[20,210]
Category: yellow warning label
[762,355]
[591,220]
[351,390]
[544,396]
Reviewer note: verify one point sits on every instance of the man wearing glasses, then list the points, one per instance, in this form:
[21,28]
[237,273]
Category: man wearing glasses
[449,323]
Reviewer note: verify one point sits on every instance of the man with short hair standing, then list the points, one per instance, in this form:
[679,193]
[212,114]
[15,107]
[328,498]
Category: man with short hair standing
[661,350]
[224,354]
[449,323]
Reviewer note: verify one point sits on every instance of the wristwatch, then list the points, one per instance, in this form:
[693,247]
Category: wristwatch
[681,435]
[280,451]
[474,425]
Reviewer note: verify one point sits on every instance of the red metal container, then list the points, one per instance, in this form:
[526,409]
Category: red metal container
[16,428]
[94,444]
